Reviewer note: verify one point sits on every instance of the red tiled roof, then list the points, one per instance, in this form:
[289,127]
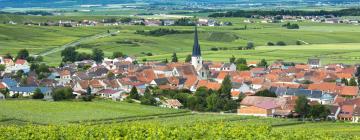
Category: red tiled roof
[349,91]
[20,61]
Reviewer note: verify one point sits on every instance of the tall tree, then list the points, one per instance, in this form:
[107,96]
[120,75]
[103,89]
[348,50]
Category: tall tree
[241,61]
[134,93]
[344,81]
[225,89]
[88,91]
[232,59]
[174,58]
[69,54]
[97,55]
[263,63]
[188,58]
[213,103]
[22,54]
[265,93]
[318,111]
[302,106]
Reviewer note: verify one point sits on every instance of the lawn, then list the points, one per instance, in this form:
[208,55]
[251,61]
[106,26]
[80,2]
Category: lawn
[65,112]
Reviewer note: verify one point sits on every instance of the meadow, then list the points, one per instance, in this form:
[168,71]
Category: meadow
[331,42]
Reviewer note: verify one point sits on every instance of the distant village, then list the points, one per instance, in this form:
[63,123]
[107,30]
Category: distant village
[333,85]
[130,21]
[330,19]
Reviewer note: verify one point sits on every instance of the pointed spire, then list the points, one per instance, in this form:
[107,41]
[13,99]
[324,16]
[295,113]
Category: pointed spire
[196,48]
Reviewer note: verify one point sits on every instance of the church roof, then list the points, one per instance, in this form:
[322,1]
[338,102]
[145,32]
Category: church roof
[196,48]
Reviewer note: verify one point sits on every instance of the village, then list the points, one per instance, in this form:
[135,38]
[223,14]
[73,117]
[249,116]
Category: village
[333,85]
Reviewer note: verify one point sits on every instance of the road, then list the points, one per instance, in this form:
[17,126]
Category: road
[77,42]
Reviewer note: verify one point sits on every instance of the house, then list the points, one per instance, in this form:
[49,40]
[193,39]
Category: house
[260,106]
[171,103]
[228,67]
[334,112]
[314,62]
[349,91]
[28,91]
[2,96]
[168,22]
[356,115]
[109,93]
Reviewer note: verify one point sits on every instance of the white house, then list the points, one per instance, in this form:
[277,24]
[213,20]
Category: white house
[2,97]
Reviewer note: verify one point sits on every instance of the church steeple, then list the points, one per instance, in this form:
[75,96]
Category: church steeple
[196,48]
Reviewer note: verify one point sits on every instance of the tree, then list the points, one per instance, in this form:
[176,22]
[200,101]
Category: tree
[250,45]
[174,58]
[270,44]
[8,56]
[88,97]
[23,54]
[242,67]
[213,103]
[97,55]
[117,54]
[344,81]
[241,61]
[352,82]
[302,107]
[166,61]
[188,58]
[225,89]
[147,99]
[232,59]
[63,94]
[69,54]
[265,93]
[88,91]
[134,93]
[318,111]
[2,67]
[263,63]
[38,94]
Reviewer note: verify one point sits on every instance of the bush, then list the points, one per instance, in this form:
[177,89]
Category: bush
[63,94]
[270,44]
[281,43]
[214,49]
[88,98]
[37,94]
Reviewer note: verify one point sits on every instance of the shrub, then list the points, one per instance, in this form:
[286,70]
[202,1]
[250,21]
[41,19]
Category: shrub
[270,44]
[281,43]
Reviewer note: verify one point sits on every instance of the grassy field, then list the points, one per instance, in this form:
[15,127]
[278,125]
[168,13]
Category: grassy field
[65,112]
[331,42]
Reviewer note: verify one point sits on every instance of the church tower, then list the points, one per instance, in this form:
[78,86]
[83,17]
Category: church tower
[196,59]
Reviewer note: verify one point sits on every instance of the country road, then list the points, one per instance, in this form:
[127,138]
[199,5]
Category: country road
[76,42]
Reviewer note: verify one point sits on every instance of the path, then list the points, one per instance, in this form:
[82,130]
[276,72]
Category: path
[77,42]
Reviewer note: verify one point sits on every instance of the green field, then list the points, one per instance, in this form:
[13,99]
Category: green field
[25,119]
[331,42]
[42,112]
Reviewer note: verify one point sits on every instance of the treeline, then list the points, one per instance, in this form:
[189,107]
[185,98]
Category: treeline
[161,32]
[42,13]
[250,13]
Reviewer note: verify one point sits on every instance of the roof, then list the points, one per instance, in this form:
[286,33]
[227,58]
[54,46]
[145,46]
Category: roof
[2,86]
[263,102]
[173,102]
[349,91]
[196,48]
[108,91]
[9,82]
[20,61]
[30,89]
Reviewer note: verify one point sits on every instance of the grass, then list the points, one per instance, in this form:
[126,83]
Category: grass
[65,112]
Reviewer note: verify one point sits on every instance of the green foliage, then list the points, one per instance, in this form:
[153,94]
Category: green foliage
[225,89]
[352,82]
[134,93]
[281,43]
[250,46]
[302,106]
[63,94]
[69,54]
[97,55]
[117,54]
[291,26]
[232,59]
[125,20]
[184,22]
[241,61]
[265,93]
[344,81]
[319,111]
[2,67]
[110,75]
[263,63]
[38,94]
[270,44]
[23,54]
[148,99]
[188,58]
[174,58]
[161,32]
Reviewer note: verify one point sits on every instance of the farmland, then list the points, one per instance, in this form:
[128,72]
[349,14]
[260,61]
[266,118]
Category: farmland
[167,124]
[331,42]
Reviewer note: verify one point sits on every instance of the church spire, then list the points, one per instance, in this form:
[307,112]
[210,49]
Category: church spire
[196,48]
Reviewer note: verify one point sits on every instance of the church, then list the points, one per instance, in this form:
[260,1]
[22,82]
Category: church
[196,59]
